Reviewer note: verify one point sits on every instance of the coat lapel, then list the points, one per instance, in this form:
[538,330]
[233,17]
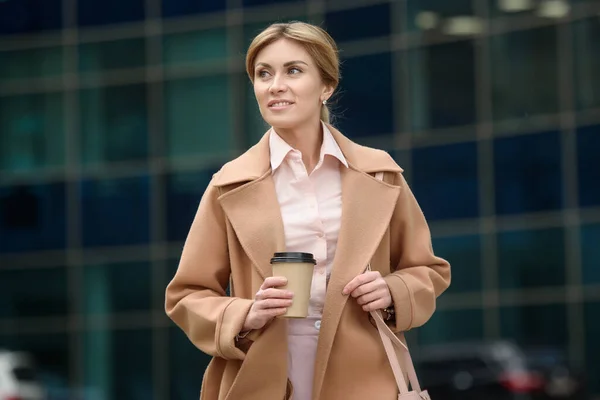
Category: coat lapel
[250,204]
[367,207]
[254,213]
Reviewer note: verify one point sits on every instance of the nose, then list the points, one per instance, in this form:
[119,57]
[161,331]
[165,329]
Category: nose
[277,85]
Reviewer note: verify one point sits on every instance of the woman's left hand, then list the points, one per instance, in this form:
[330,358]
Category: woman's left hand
[370,290]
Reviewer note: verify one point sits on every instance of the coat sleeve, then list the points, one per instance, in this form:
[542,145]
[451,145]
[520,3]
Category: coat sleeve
[196,298]
[418,276]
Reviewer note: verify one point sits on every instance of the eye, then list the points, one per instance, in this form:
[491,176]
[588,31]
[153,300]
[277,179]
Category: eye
[294,70]
[262,73]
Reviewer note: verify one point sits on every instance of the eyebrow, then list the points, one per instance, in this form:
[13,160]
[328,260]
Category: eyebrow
[287,64]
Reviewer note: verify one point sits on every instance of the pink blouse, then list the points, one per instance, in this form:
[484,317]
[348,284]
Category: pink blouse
[311,206]
[311,209]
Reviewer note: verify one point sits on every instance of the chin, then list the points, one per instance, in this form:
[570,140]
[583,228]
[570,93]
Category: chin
[283,123]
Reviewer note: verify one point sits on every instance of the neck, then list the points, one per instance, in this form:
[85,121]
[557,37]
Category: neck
[306,139]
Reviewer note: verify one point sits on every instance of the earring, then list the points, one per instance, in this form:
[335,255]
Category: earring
[324,102]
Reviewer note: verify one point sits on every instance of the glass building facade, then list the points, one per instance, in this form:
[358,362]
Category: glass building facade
[115,114]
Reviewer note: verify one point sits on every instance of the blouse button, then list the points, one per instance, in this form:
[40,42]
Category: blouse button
[318,324]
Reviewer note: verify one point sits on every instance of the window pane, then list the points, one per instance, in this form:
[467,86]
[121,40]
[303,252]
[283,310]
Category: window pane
[174,8]
[528,173]
[529,259]
[33,293]
[592,333]
[261,2]
[590,253]
[251,30]
[50,353]
[114,124]
[587,62]
[464,253]
[535,325]
[117,54]
[118,364]
[198,117]
[588,148]
[525,73]
[32,217]
[365,106]
[402,158]
[31,63]
[115,211]
[442,82]
[444,9]
[443,171]
[359,23]
[117,287]
[109,11]
[195,47]
[184,191]
[447,326]
[31,131]
[186,366]
[171,268]
[30,16]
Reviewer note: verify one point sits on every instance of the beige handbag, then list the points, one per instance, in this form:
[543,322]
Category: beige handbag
[390,340]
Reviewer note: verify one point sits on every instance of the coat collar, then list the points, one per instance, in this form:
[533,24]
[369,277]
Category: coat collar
[280,149]
[255,162]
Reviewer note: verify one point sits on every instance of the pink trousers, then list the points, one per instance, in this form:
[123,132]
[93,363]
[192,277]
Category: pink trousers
[303,335]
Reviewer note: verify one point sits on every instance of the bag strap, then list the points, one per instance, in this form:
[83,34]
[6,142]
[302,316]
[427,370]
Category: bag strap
[389,339]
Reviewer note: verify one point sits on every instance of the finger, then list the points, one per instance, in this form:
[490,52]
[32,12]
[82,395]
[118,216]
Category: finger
[374,305]
[360,280]
[364,289]
[273,281]
[274,303]
[275,312]
[369,297]
[274,294]
[269,313]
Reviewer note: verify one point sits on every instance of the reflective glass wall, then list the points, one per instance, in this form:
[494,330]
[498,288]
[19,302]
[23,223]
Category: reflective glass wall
[114,116]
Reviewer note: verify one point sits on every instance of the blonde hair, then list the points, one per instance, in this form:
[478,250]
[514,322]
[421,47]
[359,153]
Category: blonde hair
[315,40]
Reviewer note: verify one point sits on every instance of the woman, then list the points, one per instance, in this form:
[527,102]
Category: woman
[304,187]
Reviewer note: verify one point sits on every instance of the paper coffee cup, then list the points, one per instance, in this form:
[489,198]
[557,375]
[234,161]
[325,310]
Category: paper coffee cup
[298,269]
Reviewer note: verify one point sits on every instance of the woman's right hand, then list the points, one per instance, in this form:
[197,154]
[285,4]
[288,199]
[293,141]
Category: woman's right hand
[269,303]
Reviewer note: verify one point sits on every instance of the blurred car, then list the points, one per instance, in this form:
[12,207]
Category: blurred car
[496,371]
[560,381]
[18,380]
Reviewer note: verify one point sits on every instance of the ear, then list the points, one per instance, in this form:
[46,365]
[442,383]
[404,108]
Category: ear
[327,92]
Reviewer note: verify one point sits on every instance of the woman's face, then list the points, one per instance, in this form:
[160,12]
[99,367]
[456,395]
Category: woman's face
[288,86]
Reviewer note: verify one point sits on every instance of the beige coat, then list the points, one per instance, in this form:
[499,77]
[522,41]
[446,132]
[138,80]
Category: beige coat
[235,232]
